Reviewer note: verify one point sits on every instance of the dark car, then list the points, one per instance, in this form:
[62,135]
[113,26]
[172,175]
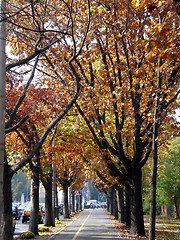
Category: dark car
[15,212]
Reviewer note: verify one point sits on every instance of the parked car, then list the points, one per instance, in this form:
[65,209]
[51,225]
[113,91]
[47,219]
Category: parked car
[15,212]
[27,212]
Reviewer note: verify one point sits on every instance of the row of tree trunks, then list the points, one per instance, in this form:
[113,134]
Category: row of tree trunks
[7,216]
[126,205]
[7,219]
[75,203]
[116,205]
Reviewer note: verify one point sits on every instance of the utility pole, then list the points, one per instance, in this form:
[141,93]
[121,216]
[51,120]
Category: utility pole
[2,107]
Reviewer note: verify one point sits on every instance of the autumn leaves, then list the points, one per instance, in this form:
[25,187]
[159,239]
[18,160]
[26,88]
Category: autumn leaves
[94,80]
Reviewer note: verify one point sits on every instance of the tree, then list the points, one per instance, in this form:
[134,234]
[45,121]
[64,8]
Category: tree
[2,106]
[118,98]
[30,139]
[46,176]
[168,176]
[27,44]
[69,168]
[114,75]
[156,125]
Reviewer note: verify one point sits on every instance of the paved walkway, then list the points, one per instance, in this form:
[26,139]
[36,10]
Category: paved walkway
[92,224]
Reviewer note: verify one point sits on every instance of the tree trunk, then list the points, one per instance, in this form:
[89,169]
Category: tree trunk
[120,203]
[115,210]
[48,202]
[54,189]
[128,206]
[137,220]
[33,226]
[176,206]
[70,200]
[108,203]
[7,223]
[80,200]
[56,203]
[73,200]
[153,192]
[2,109]
[66,205]
[77,202]
[112,200]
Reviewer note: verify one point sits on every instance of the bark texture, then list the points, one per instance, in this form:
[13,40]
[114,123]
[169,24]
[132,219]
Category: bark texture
[121,207]
[48,201]
[35,167]
[66,204]
[7,223]
[137,220]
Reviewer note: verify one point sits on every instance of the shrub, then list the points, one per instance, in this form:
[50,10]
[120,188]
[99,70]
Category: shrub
[27,235]
[43,229]
[57,221]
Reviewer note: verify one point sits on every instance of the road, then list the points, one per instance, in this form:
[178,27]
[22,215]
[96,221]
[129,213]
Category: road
[22,227]
[92,224]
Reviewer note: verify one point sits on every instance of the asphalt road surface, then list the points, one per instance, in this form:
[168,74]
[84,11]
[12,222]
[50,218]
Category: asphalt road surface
[91,224]
[22,227]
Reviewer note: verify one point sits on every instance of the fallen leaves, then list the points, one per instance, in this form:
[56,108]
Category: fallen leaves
[166,228]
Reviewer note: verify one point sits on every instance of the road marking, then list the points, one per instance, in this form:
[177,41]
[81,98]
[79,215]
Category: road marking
[81,226]
[63,228]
